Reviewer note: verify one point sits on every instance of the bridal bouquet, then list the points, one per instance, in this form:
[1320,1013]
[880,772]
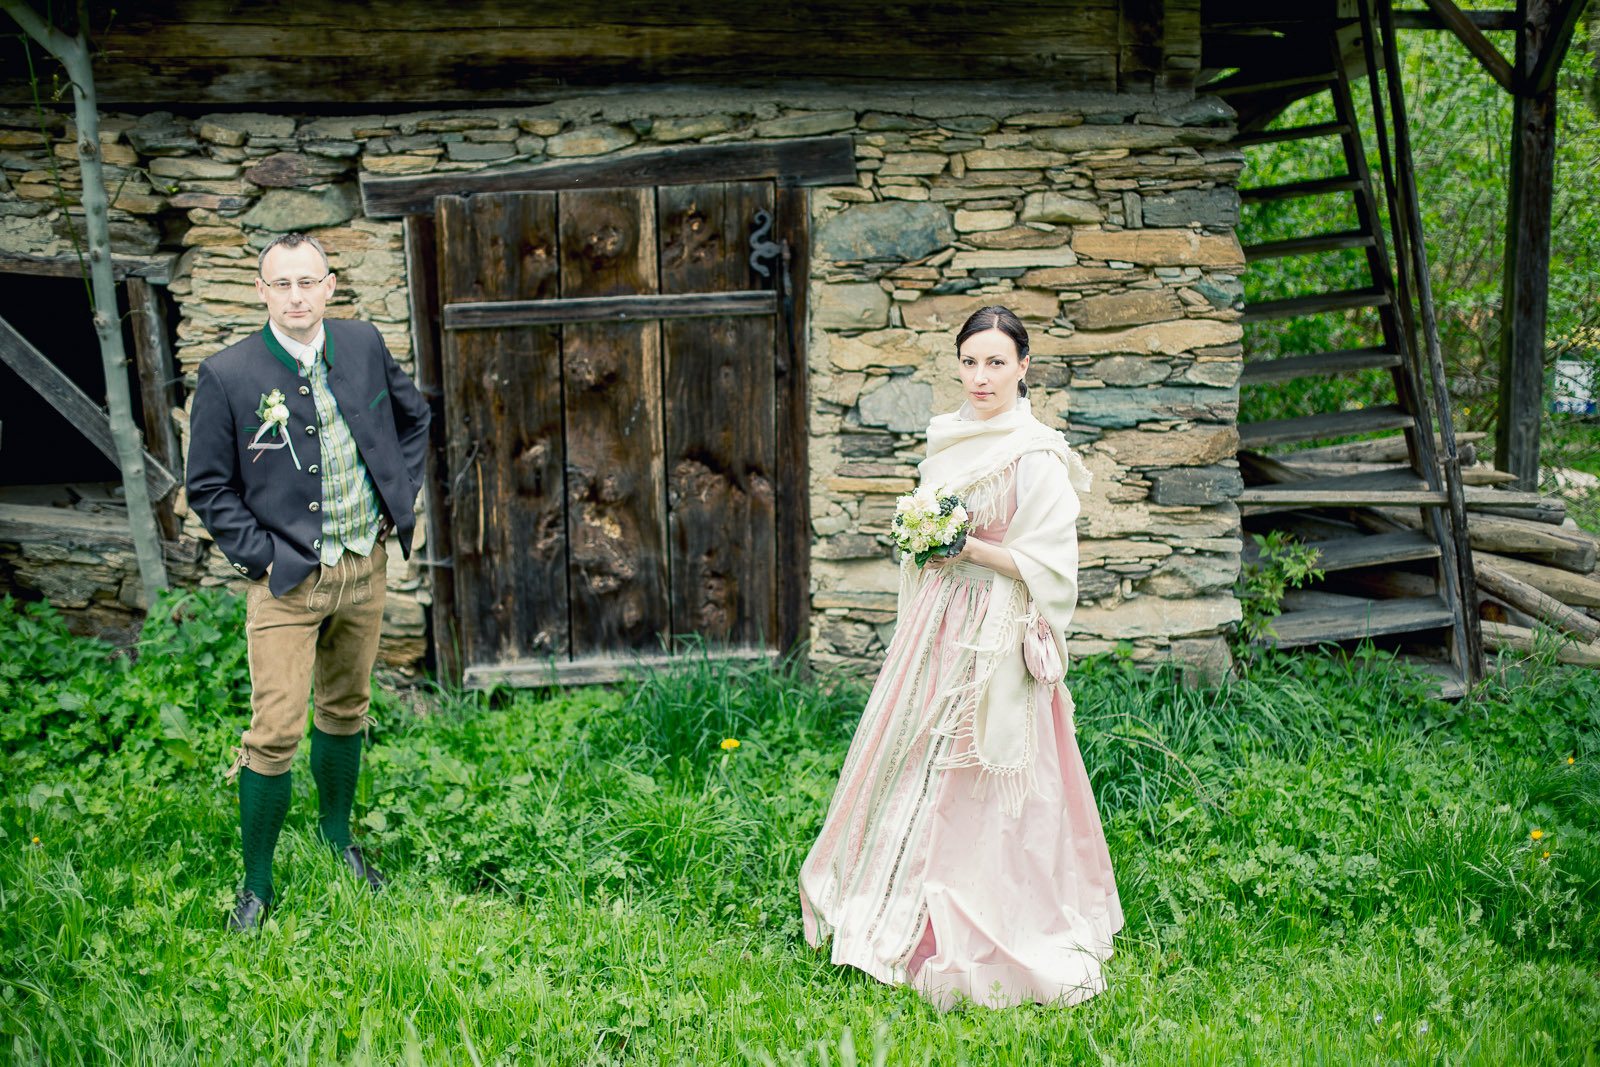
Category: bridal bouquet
[930,523]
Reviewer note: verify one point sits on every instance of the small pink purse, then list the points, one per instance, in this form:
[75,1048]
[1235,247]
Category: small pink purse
[1039,651]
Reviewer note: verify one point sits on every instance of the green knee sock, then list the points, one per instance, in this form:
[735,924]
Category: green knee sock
[336,764]
[263,804]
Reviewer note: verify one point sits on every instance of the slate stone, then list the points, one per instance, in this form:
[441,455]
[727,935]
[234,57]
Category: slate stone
[1095,583]
[901,404]
[848,546]
[129,237]
[850,306]
[472,151]
[282,210]
[1117,407]
[954,285]
[1220,296]
[286,169]
[866,444]
[1203,111]
[891,230]
[1192,574]
[163,140]
[1125,309]
[880,121]
[1217,208]
[970,124]
[1195,486]
[807,125]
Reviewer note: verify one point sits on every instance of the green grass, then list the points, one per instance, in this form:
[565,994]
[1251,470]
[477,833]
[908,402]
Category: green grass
[1319,864]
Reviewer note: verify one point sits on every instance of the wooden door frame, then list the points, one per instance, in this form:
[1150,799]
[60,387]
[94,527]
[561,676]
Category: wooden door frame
[791,165]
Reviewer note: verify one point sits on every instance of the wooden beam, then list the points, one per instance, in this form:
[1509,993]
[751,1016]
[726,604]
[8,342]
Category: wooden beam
[1525,286]
[486,314]
[798,161]
[1574,590]
[157,270]
[1483,20]
[82,529]
[63,394]
[1480,46]
[157,397]
[1500,637]
[1521,595]
[1559,35]
[792,503]
[422,294]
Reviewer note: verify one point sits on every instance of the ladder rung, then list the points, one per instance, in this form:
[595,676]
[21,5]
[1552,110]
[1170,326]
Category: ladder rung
[1343,183]
[1315,304]
[1292,133]
[1318,364]
[1305,246]
[1326,424]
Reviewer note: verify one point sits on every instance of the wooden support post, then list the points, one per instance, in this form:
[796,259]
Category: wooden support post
[73,52]
[1480,46]
[153,356]
[1526,279]
[422,288]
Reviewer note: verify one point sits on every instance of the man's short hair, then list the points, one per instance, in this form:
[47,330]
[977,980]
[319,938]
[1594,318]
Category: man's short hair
[293,240]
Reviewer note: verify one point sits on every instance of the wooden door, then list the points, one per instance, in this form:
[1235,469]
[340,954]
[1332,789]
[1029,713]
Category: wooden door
[610,371]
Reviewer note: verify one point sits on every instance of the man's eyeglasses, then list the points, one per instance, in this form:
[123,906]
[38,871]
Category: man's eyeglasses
[305,285]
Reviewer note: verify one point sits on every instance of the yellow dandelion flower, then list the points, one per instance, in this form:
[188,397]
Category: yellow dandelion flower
[1547,854]
[729,744]
[36,839]
[1536,834]
[1571,761]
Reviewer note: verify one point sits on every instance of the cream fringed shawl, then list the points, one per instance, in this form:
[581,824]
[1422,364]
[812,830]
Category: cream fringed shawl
[994,709]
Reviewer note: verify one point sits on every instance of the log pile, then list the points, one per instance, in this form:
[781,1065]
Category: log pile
[1536,569]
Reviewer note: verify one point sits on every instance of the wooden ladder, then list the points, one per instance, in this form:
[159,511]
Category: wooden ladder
[1391,539]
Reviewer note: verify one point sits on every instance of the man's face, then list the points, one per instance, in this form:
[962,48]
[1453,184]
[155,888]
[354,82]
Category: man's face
[298,308]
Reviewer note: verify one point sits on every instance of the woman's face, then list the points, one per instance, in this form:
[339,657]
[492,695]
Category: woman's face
[990,371]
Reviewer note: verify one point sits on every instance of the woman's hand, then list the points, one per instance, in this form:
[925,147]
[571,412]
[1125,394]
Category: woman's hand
[984,554]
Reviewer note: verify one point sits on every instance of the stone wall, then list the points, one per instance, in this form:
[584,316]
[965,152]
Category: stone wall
[1104,220]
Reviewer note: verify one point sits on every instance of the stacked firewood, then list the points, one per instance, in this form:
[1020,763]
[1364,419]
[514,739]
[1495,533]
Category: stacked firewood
[1535,568]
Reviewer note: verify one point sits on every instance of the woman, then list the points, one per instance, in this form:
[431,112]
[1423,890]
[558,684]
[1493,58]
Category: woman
[962,851]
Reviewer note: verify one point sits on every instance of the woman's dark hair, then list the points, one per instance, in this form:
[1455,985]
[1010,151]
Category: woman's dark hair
[1004,320]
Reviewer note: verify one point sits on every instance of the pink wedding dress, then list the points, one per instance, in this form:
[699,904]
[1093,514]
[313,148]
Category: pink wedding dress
[917,880]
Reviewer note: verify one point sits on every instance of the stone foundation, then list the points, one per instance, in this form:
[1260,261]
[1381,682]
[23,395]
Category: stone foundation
[1105,220]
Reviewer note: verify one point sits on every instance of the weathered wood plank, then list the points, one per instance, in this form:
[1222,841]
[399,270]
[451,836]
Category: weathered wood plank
[503,405]
[600,670]
[1290,133]
[1541,605]
[422,297]
[152,350]
[1500,637]
[1363,619]
[1327,424]
[1314,304]
[1306,246]
[1318,364]
[1379,450]
[616,497]
[74,529]
[157,270]
[1343,183]
[793,503]
[1371,551]
[477,316]
[720,432]
[63,394]
[798,161]
[1481,48]
[391,51]
[1576,590]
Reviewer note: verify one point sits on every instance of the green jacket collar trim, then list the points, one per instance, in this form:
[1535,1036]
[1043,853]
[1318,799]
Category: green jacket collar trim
[285,358]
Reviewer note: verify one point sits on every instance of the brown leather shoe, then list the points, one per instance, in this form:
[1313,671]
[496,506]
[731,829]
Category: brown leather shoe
[357,862]
[248,913]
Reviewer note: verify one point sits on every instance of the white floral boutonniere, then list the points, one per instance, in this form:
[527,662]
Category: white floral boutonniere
[274,416]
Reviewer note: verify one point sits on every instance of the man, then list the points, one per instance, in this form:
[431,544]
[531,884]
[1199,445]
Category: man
[306,447]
